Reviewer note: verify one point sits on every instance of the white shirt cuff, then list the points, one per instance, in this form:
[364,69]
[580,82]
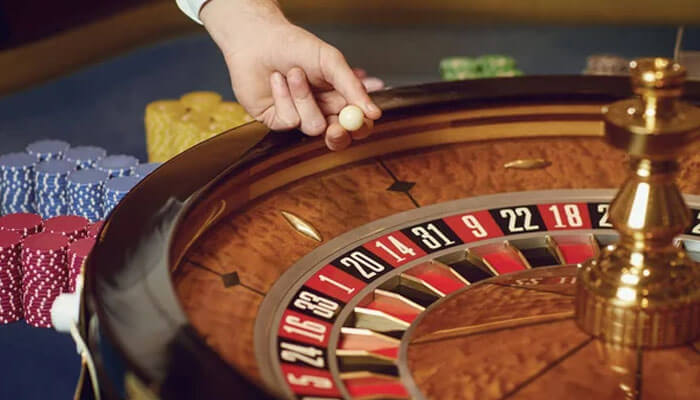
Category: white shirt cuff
[191,8]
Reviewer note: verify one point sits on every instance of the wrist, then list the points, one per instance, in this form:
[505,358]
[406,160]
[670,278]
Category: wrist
[235,24]
[216,14]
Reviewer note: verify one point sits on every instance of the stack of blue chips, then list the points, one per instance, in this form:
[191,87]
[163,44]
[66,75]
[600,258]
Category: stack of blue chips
[45,150]
[84,192]
[143,170]
[17,185]
[50,181]
[118,165]
[114,190]
[85,156]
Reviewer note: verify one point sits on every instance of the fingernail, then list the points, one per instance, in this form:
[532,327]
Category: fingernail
[371,108]
[277,78]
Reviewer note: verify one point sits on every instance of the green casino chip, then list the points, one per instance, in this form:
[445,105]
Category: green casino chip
[486,66]
[496,62]
[453,64]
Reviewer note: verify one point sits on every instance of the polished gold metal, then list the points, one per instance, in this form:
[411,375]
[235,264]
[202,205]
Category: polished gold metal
[302,226]
[644,291]
[530,163]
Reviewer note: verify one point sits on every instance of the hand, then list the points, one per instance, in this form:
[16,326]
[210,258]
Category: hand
[284,76]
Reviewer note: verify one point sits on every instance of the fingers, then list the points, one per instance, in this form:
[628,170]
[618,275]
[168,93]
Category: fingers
[364,131]
[372,84]
[359,72]
[331,102]
[297,105]
[286,116]
[312,121]
[341,76]
[336,137]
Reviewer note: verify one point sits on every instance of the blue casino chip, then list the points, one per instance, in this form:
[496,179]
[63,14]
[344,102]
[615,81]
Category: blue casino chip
[55,167]
[16,161]
[117,165]
[87,177]
[50,182]
[85,156]
[54,179]
[45,150]
[143,170]
[114,191]
[17,185]
[121,185]
[84,193]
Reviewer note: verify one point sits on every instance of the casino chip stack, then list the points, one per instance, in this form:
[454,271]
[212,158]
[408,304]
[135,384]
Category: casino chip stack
[10,277]
[44,275]
[17,183]
[45,150]
[76,254]
[85,157]
[114,191]
[487,66]
[84,191]
[71,226]
[606,64]
[143,170]
[118,165]
[175,125]
[50,183]
[94,229]
[23,223]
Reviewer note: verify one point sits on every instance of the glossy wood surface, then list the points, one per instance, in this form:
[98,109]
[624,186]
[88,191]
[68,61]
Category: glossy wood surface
[534,360]
[258,244]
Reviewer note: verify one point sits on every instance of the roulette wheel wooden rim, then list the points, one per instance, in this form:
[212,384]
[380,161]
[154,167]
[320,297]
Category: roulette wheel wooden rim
[135,248]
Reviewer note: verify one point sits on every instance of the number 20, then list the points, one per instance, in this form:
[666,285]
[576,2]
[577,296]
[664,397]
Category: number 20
[367,267]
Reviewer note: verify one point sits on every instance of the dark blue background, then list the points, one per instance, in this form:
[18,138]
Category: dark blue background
[103,105]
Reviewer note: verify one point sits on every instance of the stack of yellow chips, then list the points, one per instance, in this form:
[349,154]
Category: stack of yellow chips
[173,126]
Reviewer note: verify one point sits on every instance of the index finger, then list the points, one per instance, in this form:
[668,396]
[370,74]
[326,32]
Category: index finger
[339,74]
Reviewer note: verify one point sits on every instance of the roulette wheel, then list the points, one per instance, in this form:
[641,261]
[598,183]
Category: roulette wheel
[446,256]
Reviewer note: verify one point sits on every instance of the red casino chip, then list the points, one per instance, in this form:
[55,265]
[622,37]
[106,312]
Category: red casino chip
[23,223]
[71,226]
[10,276]
[94,229]
[45,275]
[75,256]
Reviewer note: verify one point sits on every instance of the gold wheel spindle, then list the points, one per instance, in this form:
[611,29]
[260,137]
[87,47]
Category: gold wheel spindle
[643,291]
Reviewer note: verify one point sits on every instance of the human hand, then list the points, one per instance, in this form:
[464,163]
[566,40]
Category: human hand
[283,75]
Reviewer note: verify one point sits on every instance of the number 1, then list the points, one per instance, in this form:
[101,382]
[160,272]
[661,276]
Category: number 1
[339,285]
